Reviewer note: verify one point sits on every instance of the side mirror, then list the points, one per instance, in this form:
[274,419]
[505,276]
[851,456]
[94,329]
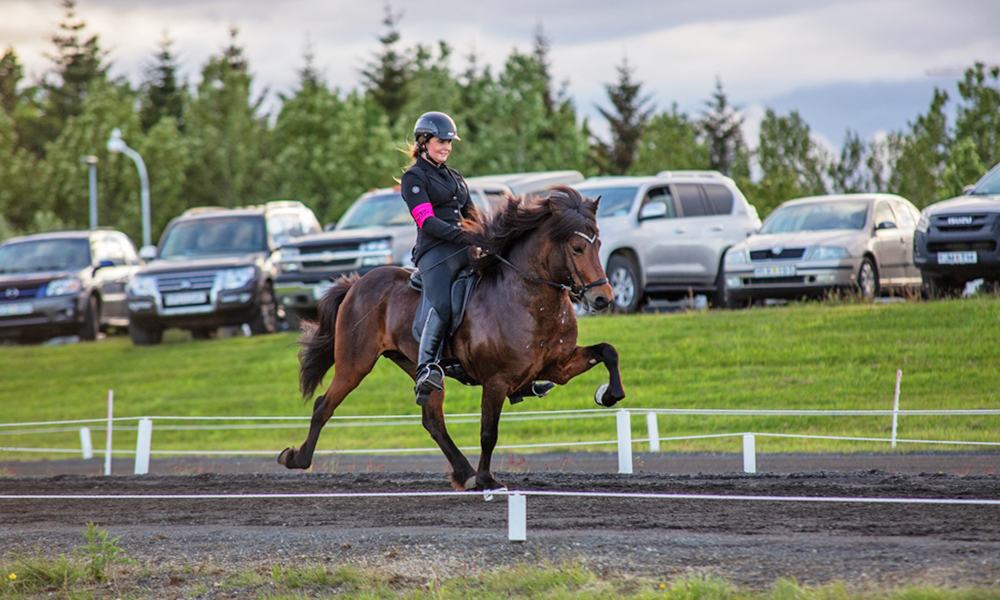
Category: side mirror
[885,225]
[968,190]
[147,253]
[329,226]
[653,210]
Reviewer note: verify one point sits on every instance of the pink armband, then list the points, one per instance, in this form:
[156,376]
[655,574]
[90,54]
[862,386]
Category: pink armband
[422,212]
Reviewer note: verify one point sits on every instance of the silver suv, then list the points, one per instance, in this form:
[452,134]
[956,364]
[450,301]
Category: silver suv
[665,236]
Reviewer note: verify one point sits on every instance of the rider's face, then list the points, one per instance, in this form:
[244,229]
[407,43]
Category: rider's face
[438,149]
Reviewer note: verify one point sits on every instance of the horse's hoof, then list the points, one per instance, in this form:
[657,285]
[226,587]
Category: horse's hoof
[599,395]
[470,483]
[285,458]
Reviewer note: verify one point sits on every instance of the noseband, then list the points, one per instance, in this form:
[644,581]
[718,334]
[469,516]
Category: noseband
[576,290]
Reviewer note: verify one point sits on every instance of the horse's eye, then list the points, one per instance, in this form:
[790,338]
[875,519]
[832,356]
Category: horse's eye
[578,250]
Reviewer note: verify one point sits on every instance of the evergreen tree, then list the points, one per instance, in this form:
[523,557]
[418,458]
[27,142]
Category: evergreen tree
[670,142]
[791,162]
[918,157]
[628,119]
[387,76]
[978,115]
[162,95]
[720,127]
[11,73]
[849,174]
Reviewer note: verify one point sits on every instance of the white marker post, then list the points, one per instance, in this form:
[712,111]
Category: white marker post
[654,432]
[895,407]
[517,517]
[143,446]
[624,442]
[86,444]
[749,453]
[111,414]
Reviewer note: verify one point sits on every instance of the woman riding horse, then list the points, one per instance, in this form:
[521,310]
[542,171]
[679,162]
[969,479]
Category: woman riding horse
[539,256]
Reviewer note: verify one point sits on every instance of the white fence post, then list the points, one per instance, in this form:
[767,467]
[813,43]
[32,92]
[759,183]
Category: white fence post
[654,432]
[624,442]
[517,518]
[895,407]
[86,444]
[107,437]
[143,446]
[749,453]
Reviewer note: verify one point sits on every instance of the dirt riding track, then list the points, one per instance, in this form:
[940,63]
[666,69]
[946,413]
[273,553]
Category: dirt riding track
[418,538]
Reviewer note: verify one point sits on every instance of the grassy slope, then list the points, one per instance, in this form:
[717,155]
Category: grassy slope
[810,356]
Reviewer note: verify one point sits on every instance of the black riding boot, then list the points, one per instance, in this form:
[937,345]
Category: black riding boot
[430,376]
[536,389]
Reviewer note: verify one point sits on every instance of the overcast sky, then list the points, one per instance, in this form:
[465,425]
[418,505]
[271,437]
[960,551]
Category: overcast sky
[850,64]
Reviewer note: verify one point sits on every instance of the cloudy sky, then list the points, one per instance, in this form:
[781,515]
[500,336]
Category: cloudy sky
[865,65]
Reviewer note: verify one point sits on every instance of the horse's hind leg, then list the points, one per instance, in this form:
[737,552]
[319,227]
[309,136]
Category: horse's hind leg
[492,405]
[344,382]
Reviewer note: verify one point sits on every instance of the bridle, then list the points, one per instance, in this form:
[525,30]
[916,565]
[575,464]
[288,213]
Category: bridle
[576,290]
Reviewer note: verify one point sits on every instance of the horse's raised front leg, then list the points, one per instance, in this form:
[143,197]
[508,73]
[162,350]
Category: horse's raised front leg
[492,406]
[585,357]
[463,476]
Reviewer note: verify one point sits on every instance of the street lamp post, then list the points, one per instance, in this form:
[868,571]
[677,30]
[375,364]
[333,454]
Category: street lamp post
[117,144]
[91,161]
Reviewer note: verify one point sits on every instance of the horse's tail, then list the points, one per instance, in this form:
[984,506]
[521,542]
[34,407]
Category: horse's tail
[317,340]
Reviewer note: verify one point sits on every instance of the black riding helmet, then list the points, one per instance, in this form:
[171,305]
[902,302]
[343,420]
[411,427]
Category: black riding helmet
[434,124]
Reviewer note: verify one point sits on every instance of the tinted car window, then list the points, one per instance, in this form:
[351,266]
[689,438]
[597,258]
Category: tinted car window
[720,198]
[224,235]
[377,211]
[45,255]
[989,187]
[905,215]
[662,195]
[615,201]
[692,203]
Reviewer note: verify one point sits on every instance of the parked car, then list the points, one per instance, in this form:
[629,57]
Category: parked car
[810,246]
[378,230]
[214,267]
[65,283]
[664,236]
[958,240]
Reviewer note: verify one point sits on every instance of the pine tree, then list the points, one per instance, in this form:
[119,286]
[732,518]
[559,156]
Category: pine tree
[11,73]
[628,119]
[387,76]
[721,127]
[162,96]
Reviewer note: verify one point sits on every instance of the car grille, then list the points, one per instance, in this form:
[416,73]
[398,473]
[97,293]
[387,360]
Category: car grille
[181,282]
[959,223]
[785,254]
[322,258]
[8,294]
[775,280]
[977,246]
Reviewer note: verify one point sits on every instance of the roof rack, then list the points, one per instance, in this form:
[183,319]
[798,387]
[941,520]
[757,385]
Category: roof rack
[197,210]
[706,174]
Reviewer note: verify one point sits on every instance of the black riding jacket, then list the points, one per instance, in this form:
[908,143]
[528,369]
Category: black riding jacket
[437,198]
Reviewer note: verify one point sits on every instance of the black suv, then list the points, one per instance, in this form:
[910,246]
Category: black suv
[958,240]
[214,268]
[65,283]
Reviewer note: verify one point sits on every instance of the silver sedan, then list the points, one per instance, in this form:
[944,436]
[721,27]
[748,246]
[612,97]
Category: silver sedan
[809,247]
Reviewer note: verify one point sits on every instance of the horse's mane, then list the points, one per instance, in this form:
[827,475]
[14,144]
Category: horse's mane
[564,212]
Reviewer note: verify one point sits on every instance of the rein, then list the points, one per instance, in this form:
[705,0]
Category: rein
[574,289]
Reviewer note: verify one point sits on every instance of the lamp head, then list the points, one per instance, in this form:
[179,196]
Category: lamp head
[116,143]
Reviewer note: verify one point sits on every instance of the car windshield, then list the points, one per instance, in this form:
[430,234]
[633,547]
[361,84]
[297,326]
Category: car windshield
[816,217]
[615,201]
[990,186]
[383,210]
[45,255]
[219,235]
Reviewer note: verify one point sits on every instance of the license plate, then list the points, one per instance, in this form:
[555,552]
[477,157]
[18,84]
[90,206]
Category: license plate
[185,298]
[957,258]
[16,308]
[320,288]
[780,271]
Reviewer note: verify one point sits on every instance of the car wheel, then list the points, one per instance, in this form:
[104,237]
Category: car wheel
[142,336]
[942,288]
[266,319]
[91,320]
[624,279]
[867,282]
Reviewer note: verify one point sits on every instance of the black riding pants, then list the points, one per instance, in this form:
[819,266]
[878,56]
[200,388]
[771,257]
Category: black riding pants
[438,268]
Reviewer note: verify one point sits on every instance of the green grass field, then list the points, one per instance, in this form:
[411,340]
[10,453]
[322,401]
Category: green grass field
[815,356]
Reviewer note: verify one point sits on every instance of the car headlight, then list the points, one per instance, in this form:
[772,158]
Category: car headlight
[828,253]
[376,245]
[736,256]
[290,259]
[63,287]
[925,221]
[234,279]
[142,285]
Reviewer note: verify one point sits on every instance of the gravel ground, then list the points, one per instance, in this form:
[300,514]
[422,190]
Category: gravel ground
[188,545]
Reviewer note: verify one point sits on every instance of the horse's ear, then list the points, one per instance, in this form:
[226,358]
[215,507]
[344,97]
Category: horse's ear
[597,202]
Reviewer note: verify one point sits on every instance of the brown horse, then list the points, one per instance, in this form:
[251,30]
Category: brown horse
[520,325]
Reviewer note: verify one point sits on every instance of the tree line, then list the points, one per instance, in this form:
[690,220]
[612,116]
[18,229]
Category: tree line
[212,143]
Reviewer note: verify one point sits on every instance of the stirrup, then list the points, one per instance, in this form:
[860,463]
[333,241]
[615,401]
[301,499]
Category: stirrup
[430,378]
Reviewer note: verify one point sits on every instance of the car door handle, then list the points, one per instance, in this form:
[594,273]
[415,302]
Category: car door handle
[717,228]
[680,230]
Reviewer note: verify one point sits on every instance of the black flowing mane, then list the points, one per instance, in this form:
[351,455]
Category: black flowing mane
[564,213]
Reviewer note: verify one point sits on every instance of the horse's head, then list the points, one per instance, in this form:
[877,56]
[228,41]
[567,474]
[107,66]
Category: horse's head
[556,240]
